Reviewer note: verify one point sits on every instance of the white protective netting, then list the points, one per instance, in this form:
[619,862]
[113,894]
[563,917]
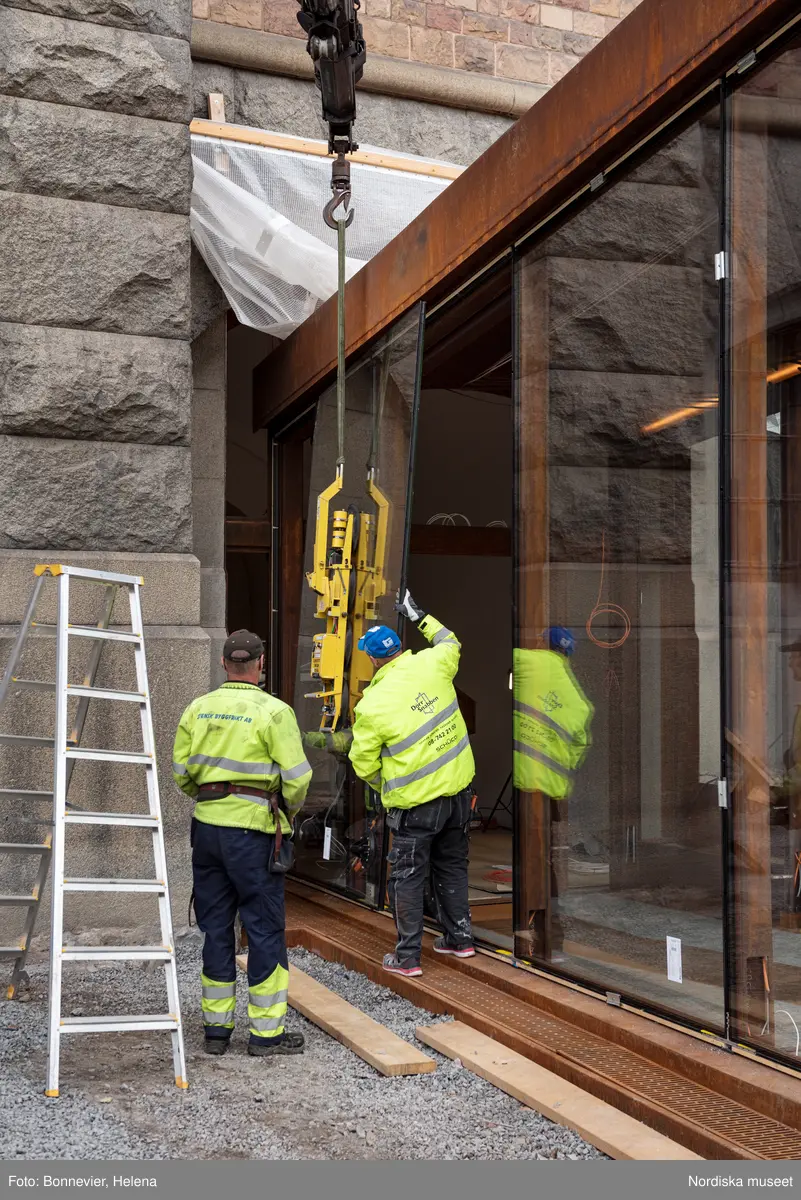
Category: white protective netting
[257,220]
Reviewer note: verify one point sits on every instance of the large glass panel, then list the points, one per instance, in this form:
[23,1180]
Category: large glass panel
[460,562]
[617,746]
[340,833]
[764,734]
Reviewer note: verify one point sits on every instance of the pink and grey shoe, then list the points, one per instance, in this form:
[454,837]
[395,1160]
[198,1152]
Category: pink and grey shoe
[391,964]
[441,946]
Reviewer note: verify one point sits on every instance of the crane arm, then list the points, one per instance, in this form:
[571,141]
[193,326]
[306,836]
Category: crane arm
[335,43]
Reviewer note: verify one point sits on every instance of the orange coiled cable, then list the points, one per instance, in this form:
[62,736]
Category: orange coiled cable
[607,609]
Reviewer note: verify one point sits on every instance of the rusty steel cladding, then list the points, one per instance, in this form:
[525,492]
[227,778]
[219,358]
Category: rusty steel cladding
[662,55]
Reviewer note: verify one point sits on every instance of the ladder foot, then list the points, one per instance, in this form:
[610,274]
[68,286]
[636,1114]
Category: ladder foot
[181,1083]
[51,1091]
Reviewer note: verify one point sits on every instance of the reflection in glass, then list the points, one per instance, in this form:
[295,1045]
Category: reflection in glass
[617,543]
[764,729]
[353,558]
[552,719]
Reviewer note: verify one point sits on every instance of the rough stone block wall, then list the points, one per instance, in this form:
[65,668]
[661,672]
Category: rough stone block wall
[94,235]
[96,385]
[534,42]
[293,106]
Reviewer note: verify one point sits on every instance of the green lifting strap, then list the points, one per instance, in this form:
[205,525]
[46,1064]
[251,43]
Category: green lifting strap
[341,227]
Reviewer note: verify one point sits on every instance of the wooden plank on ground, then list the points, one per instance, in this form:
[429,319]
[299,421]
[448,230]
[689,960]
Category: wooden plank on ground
[372,1041]
[617,1134]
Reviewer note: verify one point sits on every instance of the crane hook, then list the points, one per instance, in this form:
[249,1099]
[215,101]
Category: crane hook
[328,212]
[340,186]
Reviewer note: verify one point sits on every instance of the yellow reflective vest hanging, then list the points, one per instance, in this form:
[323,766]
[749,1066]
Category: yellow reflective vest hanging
[240,734]
[410,741]
[551,723]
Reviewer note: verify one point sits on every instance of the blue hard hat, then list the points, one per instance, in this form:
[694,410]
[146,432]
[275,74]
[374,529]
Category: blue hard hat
[560,639]
[380,642]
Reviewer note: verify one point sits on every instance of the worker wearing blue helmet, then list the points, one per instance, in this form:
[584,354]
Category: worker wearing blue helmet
[551,738]
[410,743]
[551,716]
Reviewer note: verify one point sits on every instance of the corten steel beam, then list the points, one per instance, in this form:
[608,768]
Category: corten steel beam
[655,61]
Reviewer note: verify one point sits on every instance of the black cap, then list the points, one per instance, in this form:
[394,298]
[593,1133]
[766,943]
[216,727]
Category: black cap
[243,646]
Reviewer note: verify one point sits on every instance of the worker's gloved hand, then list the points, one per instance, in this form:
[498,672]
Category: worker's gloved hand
[338,742]
[407,606]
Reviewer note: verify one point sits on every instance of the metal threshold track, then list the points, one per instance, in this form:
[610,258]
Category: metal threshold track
[707,1121]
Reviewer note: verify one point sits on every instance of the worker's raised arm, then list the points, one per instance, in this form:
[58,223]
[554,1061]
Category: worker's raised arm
[444,642]
[365,751]
[180,754]
[285,748]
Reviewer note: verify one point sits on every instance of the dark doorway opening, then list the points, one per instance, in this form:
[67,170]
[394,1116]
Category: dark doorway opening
[247,489]
[460,562]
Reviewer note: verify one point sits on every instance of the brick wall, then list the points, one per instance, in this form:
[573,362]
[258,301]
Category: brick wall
[535,42]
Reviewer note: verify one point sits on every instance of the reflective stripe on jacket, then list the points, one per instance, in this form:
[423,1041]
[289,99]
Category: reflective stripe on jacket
[240,734]
[551,723]
[409,737]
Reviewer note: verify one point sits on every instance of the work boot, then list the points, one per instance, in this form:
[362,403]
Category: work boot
[290,1043]
[391,964]
[216,1045]
[443,946]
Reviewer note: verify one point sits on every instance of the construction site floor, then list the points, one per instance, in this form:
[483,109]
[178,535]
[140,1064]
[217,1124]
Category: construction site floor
[716,1103]
[118,1101]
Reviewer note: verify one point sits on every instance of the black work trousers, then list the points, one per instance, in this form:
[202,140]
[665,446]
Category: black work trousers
[432,837]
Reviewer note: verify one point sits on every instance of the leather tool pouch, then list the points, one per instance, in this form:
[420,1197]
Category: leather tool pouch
[282,858]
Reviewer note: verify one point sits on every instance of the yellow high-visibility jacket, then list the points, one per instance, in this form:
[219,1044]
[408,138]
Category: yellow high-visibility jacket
[409,738]
[551,723]
[240,734]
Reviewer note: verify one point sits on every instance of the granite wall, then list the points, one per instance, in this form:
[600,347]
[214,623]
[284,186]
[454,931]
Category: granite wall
[96,395]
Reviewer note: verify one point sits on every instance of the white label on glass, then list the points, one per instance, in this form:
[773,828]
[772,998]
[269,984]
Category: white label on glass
[674,959]
[327,854]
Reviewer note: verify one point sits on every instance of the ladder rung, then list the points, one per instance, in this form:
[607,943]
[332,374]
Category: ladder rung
[11,951]
[78,817]
[25,794]
[95,693]
[107,635]
[24,740]
[19,901]
[25,848]
[112,1024]
[40,685]
[120,756]
[113,885]
[117,953]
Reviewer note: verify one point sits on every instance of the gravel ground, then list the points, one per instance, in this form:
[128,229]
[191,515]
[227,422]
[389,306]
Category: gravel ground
[118,1100]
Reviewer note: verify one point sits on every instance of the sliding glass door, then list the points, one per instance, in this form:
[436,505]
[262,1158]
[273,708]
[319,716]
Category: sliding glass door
[617,584]
[763,480]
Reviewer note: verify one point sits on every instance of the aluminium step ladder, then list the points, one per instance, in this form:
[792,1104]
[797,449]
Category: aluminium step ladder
[67,750]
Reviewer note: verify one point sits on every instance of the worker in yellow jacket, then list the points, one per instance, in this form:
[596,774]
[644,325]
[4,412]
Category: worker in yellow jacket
[551,738]
[551,717]
[410,744]
[238,753]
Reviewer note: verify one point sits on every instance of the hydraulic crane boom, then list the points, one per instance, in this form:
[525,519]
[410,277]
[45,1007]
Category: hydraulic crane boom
[336,45]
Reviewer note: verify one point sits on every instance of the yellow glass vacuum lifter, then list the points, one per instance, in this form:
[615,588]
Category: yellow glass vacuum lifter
[347,598]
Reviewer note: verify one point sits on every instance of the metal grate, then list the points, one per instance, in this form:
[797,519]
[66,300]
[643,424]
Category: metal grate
[445,989]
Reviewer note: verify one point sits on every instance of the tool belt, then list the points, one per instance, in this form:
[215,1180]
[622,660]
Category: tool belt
[218,791]
[283,855]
